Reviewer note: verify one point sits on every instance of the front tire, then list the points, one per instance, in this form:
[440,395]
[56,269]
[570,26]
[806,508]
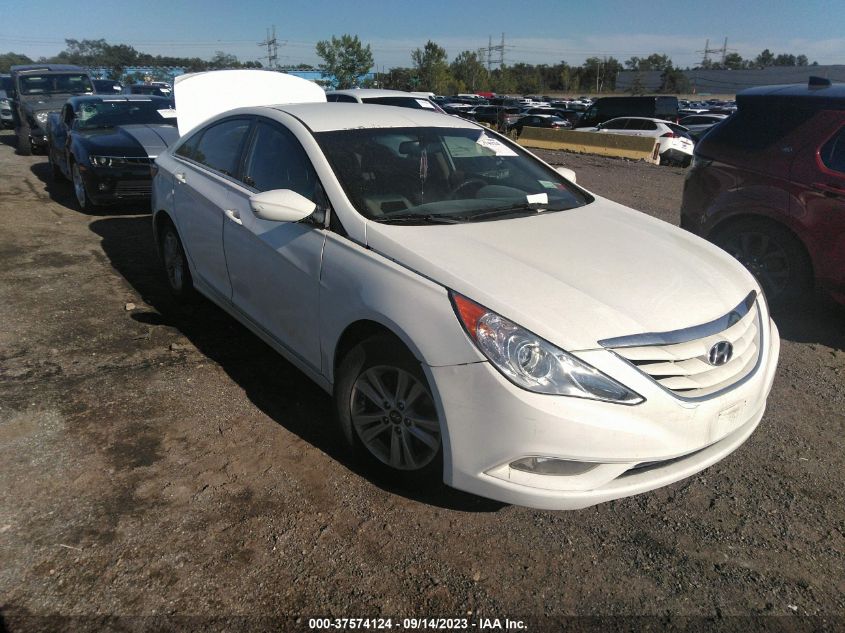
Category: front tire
[79,189]
[387,413]
[55,170]
[24,142]
[773,255]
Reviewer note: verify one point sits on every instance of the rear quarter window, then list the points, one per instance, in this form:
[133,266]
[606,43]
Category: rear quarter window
[759,127]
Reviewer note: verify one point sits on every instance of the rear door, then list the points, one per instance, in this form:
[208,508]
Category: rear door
[203,179]
[818,175]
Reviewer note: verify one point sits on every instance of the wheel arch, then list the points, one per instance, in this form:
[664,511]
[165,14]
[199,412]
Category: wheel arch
[361,330]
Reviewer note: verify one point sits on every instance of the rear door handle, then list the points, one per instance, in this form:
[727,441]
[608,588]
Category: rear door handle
[233,215]
[180,178]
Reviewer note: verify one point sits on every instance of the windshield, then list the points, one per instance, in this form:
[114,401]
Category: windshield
[102,114]
[442,175]
[55,83]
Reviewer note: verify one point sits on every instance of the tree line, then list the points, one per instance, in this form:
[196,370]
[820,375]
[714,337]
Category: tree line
[348,60]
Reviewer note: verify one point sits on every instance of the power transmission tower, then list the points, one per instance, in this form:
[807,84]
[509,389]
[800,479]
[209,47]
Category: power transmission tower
[272,45]
[500,48]
[705,61]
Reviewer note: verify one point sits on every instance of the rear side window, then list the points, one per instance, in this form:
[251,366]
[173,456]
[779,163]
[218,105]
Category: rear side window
[833,152]
[220,146]
[341,98]
[759,126]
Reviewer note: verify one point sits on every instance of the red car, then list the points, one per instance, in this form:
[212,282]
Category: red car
[768,186]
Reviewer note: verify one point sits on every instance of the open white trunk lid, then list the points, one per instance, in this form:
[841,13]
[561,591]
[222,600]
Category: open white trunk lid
[200,96]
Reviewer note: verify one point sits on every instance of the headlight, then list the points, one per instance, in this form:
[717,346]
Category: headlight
[104,161]
[41,117]
[533,363]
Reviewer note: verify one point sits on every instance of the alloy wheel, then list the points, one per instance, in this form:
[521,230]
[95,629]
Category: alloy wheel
[79,187]
[765,257]
[394,416]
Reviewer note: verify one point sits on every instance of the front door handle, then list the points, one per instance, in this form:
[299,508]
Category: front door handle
[180,178]
[233,215]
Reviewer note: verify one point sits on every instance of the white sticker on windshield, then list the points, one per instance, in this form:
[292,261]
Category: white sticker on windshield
[537,198]
[168,113]
[548,184]
[494,145]
[425,104]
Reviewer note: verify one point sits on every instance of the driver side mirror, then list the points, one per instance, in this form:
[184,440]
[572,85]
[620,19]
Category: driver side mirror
[281,205]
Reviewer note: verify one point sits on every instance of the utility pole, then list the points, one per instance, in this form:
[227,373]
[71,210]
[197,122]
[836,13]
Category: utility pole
[272,45]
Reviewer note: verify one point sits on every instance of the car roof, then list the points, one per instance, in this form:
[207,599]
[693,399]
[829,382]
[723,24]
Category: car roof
[327,117]
[46,67]
[374,92]
[820,96]
[642,118]
[133,98]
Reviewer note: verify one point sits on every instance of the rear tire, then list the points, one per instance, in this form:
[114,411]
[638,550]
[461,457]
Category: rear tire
[774,256]
[178,274]
[387,413]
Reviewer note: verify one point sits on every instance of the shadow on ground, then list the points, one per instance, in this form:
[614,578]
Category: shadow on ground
[275,386]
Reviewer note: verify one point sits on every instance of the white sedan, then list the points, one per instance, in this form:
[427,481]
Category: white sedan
[675,145]
[477,317]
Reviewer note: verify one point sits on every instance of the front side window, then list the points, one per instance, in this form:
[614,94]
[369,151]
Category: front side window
[276,160]
[424,174]
[219,147]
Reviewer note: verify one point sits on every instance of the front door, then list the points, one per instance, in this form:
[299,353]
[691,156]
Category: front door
[274,267]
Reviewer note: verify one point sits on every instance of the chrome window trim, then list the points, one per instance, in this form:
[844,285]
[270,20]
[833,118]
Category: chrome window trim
[686,334]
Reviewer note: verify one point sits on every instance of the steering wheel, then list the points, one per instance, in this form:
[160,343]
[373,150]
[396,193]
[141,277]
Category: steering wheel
[478,183]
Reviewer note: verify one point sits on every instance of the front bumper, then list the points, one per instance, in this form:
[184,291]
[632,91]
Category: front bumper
[104,185]
[490,423]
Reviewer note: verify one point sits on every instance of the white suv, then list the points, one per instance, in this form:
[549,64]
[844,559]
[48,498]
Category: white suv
[675,145]
[477,317]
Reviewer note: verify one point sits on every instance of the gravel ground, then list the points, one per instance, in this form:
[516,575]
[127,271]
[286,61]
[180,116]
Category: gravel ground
[162,469]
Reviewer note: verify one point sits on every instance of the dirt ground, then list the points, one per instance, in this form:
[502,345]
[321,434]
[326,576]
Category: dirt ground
[162,469]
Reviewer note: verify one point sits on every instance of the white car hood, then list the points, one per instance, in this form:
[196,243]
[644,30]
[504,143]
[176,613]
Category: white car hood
[579,276]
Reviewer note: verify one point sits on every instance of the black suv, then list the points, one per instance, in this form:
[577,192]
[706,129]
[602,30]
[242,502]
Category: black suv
[36,91]
[608,108]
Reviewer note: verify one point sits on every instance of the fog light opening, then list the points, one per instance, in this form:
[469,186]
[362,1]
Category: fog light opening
[552,466]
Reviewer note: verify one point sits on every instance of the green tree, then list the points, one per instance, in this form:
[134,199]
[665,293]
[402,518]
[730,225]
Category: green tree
[784,60]
[468,69]
[10,59]
[765,58]
[733,61]
[346,58]
[430,63]
[674,81]
[801,60]
[400,79]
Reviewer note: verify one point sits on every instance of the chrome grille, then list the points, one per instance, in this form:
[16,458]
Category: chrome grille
[682,366]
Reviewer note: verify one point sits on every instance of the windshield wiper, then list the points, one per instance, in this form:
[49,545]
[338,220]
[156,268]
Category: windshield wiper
[520,208]
[415,218]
